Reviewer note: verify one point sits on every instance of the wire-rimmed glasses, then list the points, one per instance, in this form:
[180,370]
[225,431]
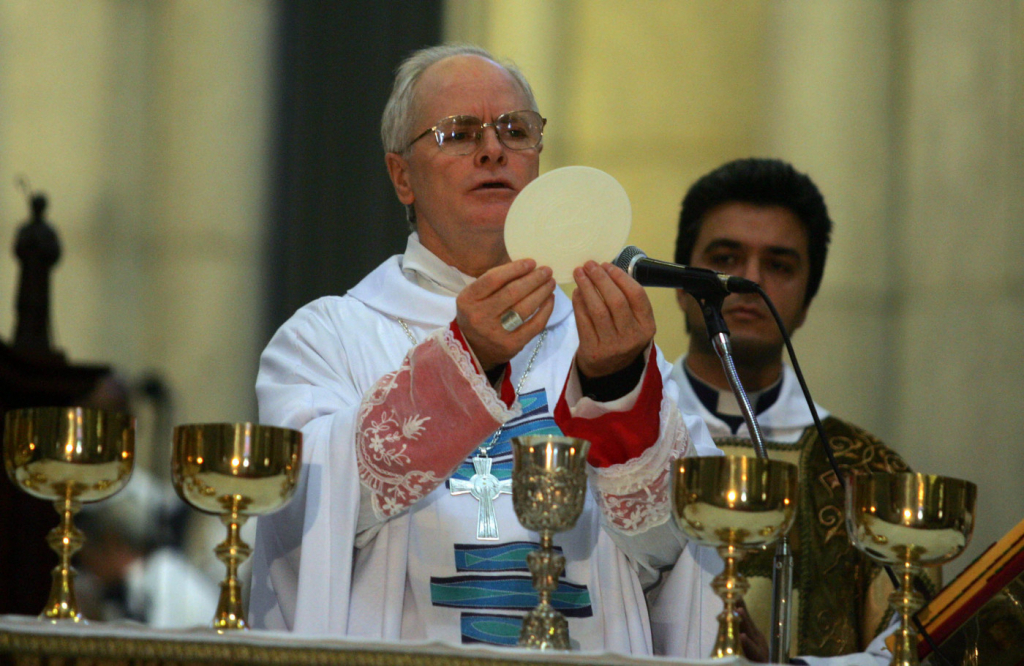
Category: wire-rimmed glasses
[460,135]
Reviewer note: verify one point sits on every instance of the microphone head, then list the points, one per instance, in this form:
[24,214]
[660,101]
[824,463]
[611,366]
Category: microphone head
[627,256]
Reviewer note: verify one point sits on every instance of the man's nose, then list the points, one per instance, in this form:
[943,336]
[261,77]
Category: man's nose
[751,270]
[489,147]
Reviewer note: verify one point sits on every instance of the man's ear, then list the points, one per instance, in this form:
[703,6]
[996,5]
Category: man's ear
[800,318]
[398,171]
[681,298]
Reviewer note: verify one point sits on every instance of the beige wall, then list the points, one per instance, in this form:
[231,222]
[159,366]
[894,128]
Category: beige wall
[147,124]
[908,117]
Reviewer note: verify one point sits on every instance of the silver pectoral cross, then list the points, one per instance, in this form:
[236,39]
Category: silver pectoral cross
[485,487]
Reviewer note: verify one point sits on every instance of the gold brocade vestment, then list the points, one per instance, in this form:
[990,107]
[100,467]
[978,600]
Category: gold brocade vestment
[841,595]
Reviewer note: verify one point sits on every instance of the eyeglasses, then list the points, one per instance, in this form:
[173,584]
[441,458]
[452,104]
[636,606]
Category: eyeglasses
[460,135]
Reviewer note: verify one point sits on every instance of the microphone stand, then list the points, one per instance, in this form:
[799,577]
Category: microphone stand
[782,564]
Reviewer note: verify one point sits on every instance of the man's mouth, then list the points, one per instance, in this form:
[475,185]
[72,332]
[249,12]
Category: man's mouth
[493,185]
[745,311]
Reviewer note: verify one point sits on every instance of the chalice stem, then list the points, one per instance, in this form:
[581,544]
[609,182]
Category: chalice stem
[544,627]
[906,601]
[730,585]
[232,552]
[65,540]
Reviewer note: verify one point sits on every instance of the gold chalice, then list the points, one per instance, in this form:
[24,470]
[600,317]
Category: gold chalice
[734,504]
[906,520]
[235,470]
[68,455]
[549,487]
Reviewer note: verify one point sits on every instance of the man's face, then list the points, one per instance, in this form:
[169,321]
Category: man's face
[766,244]
[461,200]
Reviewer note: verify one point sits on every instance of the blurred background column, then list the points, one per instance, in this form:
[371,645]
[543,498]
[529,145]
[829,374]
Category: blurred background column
[908,117]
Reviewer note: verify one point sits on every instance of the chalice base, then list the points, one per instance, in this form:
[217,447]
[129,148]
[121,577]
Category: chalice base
[727,643]
[544,628]
[230,613]
[62,606]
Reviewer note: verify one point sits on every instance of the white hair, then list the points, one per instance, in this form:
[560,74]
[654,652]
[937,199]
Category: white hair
[396,124]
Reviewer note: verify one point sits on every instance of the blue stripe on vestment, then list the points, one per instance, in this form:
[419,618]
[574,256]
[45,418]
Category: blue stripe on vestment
[494,557]
[506,593]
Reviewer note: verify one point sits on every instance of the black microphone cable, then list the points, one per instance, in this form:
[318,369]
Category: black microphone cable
[832,459]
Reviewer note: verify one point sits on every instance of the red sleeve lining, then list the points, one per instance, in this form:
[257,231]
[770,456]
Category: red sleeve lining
[617,437]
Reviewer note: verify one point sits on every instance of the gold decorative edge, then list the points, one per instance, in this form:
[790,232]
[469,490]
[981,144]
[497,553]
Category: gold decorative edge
[150,650]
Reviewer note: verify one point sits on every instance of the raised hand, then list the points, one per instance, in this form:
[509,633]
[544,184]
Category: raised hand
[518,287]
[614,318]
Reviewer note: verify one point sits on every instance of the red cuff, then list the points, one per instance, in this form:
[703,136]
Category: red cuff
[506,392]
[617,437]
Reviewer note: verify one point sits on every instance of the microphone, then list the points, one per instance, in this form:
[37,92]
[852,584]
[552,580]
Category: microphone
[699,282]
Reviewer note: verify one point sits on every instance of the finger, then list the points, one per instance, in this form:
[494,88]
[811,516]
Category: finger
[520,337]
[611,292]
[592,302]
[751,649]
[632,290]
[493,280]
[539,320]
[584,325]
[615,301]
[527,305]
[515,291]
[634,314]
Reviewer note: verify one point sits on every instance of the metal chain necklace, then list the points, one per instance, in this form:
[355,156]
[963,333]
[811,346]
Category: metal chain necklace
[484,486]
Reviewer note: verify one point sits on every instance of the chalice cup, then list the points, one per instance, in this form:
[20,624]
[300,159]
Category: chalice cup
[734,504]
[235,470]
[68,455]
[549,488]
[908,520]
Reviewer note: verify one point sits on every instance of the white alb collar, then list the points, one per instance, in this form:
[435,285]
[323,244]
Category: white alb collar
[425,269]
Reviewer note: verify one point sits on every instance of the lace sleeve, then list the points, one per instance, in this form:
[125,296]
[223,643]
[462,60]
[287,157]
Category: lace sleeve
[418,423]
[634,495]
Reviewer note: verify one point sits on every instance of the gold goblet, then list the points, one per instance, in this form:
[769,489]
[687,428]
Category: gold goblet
[906,520]
[734,504]
[68,455]
[235,470]
[549,487]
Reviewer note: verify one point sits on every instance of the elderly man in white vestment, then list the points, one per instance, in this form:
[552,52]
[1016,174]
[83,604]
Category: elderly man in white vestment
[413,383]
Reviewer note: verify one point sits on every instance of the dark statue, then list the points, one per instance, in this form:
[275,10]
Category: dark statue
[38,249]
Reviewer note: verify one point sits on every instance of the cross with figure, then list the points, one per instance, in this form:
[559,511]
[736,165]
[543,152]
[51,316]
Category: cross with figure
[485,487]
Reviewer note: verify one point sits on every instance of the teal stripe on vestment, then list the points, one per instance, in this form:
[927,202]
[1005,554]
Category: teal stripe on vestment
[499,557]
[506,593]
[490,629]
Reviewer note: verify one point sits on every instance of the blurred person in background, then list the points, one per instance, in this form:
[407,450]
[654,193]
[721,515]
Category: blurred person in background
[132,570]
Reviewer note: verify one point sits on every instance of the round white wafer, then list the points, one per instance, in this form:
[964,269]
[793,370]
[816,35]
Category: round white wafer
[567,217]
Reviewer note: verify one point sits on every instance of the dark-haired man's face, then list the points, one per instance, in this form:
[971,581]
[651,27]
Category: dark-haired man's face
[766,244]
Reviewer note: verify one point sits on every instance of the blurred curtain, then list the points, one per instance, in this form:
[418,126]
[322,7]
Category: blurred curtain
[335,215]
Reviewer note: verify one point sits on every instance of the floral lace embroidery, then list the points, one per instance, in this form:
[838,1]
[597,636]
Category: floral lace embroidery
[634,496]
[396,460]
[467,366]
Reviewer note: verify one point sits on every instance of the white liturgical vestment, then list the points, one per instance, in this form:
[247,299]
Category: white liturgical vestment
[375,545]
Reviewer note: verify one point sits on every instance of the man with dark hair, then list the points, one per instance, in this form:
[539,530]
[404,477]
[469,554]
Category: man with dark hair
[763,220]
